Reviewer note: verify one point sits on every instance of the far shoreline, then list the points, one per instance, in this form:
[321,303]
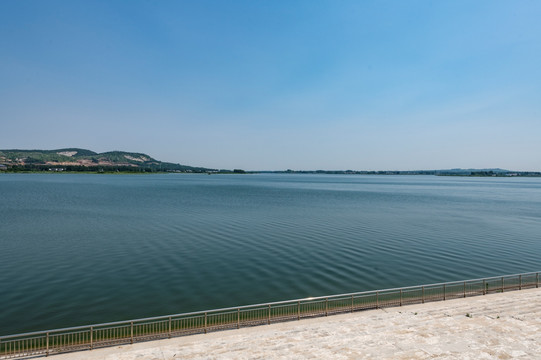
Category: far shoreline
[526,174]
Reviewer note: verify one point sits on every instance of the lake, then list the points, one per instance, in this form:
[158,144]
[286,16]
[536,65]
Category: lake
[78,249]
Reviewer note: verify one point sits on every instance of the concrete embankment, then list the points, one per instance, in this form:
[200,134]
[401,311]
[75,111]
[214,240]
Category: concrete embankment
[497,326]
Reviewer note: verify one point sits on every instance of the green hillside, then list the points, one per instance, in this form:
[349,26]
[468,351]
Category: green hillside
[75,159]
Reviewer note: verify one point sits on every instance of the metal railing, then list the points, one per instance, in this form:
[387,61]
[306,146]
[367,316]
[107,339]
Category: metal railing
[44,343]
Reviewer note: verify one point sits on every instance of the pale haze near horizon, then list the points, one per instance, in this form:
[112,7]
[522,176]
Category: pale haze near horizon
[272,85]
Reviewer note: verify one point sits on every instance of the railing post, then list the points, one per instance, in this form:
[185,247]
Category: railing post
[47,346]
[377,299]
[91,337]
[131,332]
[520,282]
[299,310]
[484,287]
[537,280]
[238,318]
[400,297]
[443,292]
[423,295]
[326,306]
[351,303]
[205,323]
[268,319]
[464,289]
[169,327]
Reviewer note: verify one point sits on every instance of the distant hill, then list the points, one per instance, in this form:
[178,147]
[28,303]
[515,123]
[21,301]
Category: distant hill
[471,171]
[400,172]
[446,172]
[75,159]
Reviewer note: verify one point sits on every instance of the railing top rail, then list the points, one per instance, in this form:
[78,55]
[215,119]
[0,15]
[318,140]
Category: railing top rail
[284,302]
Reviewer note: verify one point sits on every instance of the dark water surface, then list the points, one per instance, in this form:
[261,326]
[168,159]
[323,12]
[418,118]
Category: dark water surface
[81,249]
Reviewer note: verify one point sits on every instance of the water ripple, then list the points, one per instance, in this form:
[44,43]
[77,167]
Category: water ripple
[85,249]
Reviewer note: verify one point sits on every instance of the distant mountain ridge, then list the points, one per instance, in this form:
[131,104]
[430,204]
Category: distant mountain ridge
[76,159]
[83,160]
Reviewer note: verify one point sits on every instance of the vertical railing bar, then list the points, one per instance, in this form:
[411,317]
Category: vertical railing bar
[520,282]
[205,323]
[169,327]
[443,292]
[299,310]
[484,287]
[400,297]
[47,347]
[503,287]
[464,289]
[269,315]
[422,294]
[351,303]
[537,280]
[377,299]
[91,336]
[238,318]
[326,306]
[131,332]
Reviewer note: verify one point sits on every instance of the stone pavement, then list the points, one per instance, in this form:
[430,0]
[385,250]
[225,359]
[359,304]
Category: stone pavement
[497,326]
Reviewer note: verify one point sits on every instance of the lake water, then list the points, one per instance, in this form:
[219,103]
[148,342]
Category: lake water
[81,249]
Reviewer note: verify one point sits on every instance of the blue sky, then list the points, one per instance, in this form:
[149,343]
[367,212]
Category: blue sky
[269,85]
